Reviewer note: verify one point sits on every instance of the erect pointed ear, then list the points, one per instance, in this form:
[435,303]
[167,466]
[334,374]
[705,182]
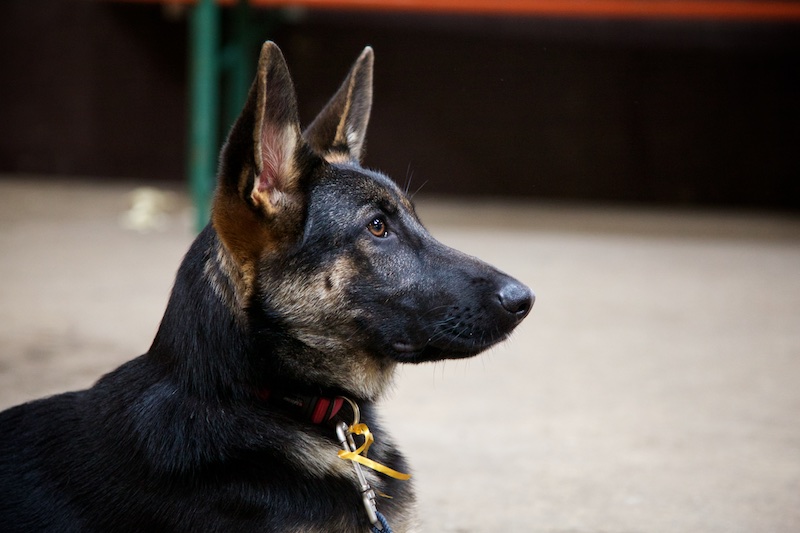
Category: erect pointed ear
[338,133]
[263,157]
[261,196]
[276,133]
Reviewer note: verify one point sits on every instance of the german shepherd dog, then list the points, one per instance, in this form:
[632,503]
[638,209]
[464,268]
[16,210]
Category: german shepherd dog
[289,313]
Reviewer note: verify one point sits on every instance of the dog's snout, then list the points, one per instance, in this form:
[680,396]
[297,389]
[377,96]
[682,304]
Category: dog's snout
[517,299]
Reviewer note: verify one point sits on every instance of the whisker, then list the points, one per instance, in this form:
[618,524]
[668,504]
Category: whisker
[409,178]
[419,188]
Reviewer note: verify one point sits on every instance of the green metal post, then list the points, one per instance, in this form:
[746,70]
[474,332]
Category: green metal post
[204,102]
[240,60]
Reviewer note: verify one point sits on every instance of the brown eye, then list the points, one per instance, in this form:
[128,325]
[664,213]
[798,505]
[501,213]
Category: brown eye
[378,227]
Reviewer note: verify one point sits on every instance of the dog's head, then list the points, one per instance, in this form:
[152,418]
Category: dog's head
[336,279]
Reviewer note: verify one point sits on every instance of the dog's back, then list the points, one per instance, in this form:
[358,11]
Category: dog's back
[38,441]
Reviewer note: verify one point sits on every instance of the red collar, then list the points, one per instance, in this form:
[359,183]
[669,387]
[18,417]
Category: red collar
[315,409]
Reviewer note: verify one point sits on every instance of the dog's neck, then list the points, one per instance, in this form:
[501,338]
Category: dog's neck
[200,340]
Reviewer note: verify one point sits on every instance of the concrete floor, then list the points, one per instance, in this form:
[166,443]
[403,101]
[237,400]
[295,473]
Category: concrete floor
[654,388]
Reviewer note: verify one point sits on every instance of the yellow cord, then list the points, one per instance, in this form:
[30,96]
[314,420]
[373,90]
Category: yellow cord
[363,430]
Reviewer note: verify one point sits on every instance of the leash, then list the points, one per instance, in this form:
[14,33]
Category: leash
[319,410]
[384,525]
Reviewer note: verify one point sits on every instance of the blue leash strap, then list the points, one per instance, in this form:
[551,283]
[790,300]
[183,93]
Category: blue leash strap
[384,524]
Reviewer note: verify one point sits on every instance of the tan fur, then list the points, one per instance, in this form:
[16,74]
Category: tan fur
[315,306]
[353,126]
[337,158]
[228,281]
[344,132]
[244,236]
[320,458]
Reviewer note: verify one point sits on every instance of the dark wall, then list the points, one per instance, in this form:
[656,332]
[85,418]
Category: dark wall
[685,113]
[91,89]
[692,112]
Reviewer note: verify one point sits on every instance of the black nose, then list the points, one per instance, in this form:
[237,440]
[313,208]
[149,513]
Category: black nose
[517,299]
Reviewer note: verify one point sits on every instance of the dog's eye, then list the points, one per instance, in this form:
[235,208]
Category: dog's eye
[378,227]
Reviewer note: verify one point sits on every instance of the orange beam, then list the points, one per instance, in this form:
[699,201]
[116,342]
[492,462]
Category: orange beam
[772,10]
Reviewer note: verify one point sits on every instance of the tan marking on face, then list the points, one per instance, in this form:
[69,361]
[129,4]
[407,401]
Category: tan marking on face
[304,299]
[406,203]
[320,316]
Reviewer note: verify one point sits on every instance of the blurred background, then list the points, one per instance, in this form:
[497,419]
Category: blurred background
[634,161]
[679,108]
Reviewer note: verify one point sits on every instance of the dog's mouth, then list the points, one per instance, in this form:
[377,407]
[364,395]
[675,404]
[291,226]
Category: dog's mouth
[410,352]
[407,352]
[461,332]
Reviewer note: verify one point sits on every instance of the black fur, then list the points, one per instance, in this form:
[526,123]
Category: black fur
[315,277]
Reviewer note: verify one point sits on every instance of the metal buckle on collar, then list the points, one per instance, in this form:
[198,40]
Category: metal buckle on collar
[367,494]
[344,433]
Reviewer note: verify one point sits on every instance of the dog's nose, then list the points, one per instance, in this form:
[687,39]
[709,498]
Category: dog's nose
[517,299]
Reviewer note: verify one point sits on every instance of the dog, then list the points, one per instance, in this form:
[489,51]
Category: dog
[254,407]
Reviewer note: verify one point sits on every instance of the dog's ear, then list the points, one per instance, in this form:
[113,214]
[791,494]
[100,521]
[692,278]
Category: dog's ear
[338,133]
[276,133]
[261,194]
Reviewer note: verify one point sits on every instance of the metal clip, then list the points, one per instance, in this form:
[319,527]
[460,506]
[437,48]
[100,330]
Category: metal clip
[367,494]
